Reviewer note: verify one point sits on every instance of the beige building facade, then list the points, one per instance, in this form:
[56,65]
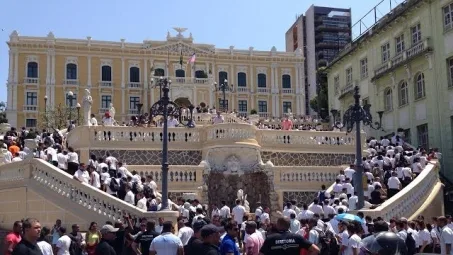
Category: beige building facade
[403,67]
[125,73]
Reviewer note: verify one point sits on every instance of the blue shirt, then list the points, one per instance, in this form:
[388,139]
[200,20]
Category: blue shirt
[228,245]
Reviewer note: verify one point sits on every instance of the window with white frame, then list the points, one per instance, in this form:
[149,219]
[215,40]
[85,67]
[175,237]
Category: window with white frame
[242,106]
[336,84]
[31,98]
[105,101]
[416,34]
[385,52]
[450,72]
[262,106]
[242,79]
[364,68]
[32,70]
[399,44]
[287,107]
[106,73]
[73,101]
[388,99]
[423,137]
[448,17]
[71,71]
[134,74]
[403,94]
[349,76]
[133,102]
[419,86]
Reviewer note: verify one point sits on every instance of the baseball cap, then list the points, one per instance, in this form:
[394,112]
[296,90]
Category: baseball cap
[210,229]
[197,225]
[108,229]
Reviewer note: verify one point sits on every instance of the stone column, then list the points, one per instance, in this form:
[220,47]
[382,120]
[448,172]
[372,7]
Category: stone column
[52,77]
[145,84]
[48,78]
[252,91]
[10,80]
[195,100]
[123,88]
[89,84]
[15,79]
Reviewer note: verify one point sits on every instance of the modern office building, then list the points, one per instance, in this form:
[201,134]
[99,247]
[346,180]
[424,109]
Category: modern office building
[404,67]
[43,70]
[321,33]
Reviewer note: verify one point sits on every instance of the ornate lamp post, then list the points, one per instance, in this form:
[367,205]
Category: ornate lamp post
[78,113]
[354,115]
[165,108]
[139,108]
[69,97]
[223,87]
[45,111]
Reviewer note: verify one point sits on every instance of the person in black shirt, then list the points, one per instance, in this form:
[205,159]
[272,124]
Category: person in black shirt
[285,242]
[194,245]
[28,244]
[108,236]
[145,238]
[76,240]
[211,239]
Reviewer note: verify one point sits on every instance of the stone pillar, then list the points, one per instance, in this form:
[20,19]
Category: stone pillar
[195,100]
[252,91]
[144,98]
[52,78]
[48,79]
[10,80]
[89,84]
[123,88]
[16,79]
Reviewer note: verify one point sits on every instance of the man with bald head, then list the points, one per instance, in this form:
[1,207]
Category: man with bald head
[286,243]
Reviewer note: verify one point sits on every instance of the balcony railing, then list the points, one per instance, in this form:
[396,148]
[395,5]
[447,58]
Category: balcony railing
[264,114]
[30,108]
[242,89]
[403,57]
[348,88]
[29,80]
[71,82]
[263,90]
[134,85]
[186,80]
[286,91]
[106,84]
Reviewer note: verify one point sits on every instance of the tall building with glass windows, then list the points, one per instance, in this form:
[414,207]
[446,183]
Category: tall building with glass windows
[43,70]
[321,33]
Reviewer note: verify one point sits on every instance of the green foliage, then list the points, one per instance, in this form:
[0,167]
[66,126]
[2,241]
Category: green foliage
[322,95]
[253,111]
[58,117]
[3,118]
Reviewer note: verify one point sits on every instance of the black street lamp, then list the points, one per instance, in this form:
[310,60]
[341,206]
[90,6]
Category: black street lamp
[45,111]
[78,114]
[354,115]
[69,97]
[165,108]
[223,87]
[139,108]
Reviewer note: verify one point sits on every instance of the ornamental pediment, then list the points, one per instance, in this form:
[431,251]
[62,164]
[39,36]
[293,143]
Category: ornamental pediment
[183,47]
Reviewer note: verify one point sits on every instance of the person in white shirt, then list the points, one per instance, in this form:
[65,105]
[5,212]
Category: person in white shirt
[288,211]
[45,247]
[167,243]
[446,236]
[394,185]
[264,217]
[52,156]
[225,211]
[62,159]
[294,224]
[172,122]
[348,186]
[305,214]
[93,120]
[73,161]
[82,174]
[218,119]
[7,156]
[185,232]
[215,211]
[315,207]
[353,247]
[141,201]
[16,157]
[349,172]
[101,165]
[123,170]
[130,197]
[111,162]
[238,213]
[107,185]
[352,201]
[63,243]
[95,180]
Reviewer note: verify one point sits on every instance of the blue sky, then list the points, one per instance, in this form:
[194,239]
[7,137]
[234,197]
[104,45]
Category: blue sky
[258,23]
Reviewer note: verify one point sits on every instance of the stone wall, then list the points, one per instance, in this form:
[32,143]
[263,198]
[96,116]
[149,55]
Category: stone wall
[301,197]
[152,157]
[307,159]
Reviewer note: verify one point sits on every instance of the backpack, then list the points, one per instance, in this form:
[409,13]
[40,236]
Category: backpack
[322,196]
[114,185]
[327,243]
[410,244]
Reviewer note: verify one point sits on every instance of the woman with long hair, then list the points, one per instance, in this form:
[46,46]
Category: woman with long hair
[93,237]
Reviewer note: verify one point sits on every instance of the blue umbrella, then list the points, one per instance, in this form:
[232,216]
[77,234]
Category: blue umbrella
[348,217]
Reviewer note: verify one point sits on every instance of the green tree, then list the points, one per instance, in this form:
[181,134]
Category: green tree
[322,95]
[58,117]
[3,118]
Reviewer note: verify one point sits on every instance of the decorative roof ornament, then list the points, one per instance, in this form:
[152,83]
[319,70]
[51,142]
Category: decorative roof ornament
[180,30]
[14,37]
[50,35]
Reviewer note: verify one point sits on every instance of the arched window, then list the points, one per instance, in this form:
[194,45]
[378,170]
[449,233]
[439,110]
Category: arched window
[420,86]
[286,81]
[158,72]
[106,73]
[403,94]
[32,70]
[261,80]
[242,79]
[134,74]
[388,99]
[180,73]
[71,71]
[222,77]
[200,74]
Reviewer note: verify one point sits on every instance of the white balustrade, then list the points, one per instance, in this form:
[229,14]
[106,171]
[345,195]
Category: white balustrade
[106,134]
[287,91]
[71,82]
[231,132]
[29,80]
[242,89]
[263,90]
[30,108]
[306,138]
[106,84]
[134,85]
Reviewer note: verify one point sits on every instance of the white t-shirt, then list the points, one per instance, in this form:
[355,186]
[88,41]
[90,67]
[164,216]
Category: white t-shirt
[82,176]
[53,153]
[394,183]
[225,212]
[73,157]
[238,212]
[62,161]
[107,184]
[63,244]
[45,247]
[130,198]
[172,123]
[446,237]
[288,211]
[112,160]
[352,202]
[353,243]
[141,204]
[107,121]
[96,180]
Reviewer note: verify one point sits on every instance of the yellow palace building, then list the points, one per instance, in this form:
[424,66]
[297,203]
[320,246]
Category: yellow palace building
[43,71]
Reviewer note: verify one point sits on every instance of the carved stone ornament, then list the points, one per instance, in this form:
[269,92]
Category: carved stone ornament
[234,160]
[185,48]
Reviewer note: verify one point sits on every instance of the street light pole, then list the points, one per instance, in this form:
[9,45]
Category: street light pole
[224,87]
[164,107]
[70,95]
[45,111]
[78,114]
[353,116]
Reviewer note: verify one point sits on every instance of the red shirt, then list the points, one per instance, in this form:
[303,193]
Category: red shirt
[12,238]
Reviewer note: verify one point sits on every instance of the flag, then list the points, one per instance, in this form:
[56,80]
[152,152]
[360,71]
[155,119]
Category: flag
[192,59]
[180,59]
